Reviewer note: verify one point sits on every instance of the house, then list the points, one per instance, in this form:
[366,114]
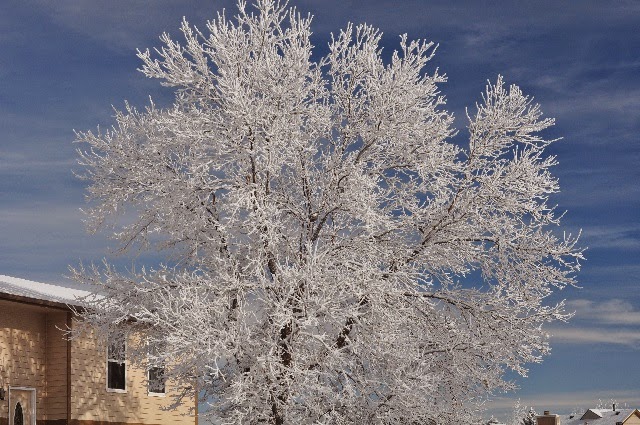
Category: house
[614,416]
[47,379]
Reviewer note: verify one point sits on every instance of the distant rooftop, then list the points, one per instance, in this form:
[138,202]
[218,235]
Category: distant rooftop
[47,293]
[597,417]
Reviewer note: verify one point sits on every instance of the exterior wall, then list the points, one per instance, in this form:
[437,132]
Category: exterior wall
[23,352]
[34,353]
[56,367]
[549,420]
[634,419]
[93,404]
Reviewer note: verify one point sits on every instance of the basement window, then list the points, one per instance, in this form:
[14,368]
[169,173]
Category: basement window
[117,364]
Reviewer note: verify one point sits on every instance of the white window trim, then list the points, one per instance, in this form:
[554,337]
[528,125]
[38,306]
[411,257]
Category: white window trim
[106,369]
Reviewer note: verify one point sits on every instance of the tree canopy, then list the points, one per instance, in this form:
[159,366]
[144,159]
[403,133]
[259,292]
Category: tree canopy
[332,256]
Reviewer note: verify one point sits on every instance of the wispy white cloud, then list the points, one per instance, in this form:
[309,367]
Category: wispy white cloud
[604,272]
[597,189]
[23,162]
[612,321]
[618,236]
[596,98]
[123,25]
[570,77]
[611,312]
[628,338]
[40,239]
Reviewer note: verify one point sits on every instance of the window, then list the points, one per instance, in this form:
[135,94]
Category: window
[155,372]
[156,380]
[117,364]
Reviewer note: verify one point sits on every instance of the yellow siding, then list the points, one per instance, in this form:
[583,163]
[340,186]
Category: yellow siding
[92,401]
[56,365]
[634,419]
[23,351]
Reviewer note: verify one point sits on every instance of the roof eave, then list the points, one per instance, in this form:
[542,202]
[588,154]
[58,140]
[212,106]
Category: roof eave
[39,302]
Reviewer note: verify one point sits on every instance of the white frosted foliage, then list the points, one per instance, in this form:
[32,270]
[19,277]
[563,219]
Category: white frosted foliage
[332,257]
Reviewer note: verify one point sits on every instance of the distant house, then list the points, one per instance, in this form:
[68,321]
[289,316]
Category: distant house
[47,379]
[613,416]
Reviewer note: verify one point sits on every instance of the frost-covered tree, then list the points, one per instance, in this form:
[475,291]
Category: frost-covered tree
[530,418]
[521,415]
[332,256]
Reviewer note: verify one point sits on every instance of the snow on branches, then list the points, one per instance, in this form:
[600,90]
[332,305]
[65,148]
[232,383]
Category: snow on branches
[332,256]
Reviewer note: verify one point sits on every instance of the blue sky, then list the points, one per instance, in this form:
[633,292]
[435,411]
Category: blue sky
[64,63]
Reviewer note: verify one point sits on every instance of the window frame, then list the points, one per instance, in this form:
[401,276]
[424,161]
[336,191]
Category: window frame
[150,392]
[123,362]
